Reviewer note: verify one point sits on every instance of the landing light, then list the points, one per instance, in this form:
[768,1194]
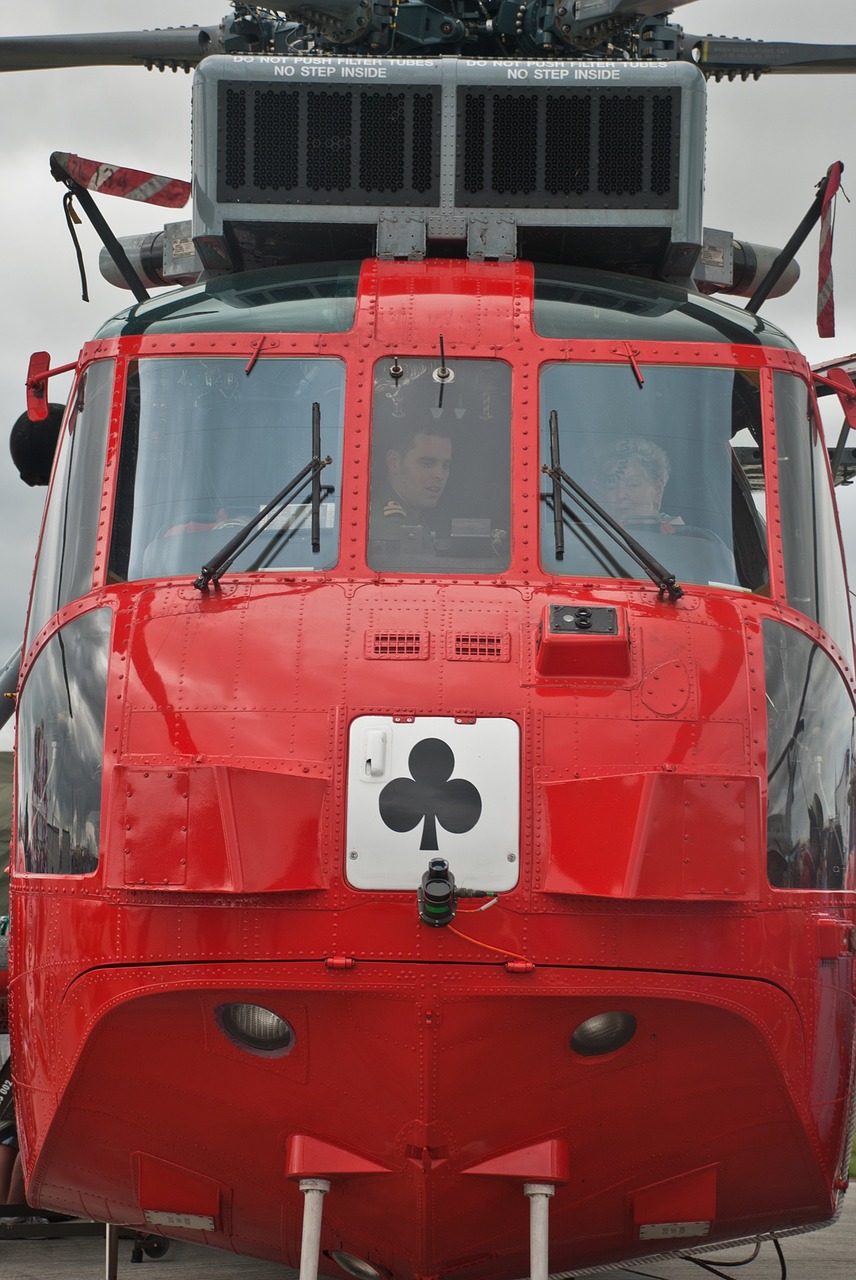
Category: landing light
[356,1267]
[256,1029]
[604,1033]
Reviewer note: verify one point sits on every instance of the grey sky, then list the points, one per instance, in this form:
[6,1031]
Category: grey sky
[769,143]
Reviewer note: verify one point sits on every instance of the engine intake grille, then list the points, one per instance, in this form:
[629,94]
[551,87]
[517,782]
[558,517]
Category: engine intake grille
[337,145]
[585,148]
[403,157]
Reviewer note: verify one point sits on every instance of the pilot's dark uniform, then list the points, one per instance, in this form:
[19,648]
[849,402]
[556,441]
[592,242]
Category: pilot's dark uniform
[389,516]
[395,533]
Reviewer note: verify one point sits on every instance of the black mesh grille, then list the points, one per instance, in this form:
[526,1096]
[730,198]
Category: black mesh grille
[514,168]
[473,142]
[275,165]
[235,111]
[382,142]
[619,161]
[340,145]
[661,143]
[594,148]
[422,158]
[567,159]
[328,141]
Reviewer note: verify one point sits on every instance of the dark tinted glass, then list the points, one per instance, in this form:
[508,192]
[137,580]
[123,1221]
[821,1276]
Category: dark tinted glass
[809,765]
[298,299]
[60,744]
[814,568]
[571,302]
[67,551]
[441,484]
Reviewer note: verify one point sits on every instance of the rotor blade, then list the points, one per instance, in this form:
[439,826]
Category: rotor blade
[724,57]
[173,47]
[634,8]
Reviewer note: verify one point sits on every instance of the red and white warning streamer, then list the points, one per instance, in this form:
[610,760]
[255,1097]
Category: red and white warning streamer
[130,184]
[825,293]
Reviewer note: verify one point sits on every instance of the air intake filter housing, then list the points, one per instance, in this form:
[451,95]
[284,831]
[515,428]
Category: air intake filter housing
[569,161]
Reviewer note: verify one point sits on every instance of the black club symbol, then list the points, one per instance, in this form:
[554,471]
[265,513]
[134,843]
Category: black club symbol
[430,795]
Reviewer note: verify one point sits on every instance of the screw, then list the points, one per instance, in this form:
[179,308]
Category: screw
[353,854]
[511,857]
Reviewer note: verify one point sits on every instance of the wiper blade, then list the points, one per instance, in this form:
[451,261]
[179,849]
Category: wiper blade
[555,464]
[214,568]
[588,536]
[657,572]
[316,477]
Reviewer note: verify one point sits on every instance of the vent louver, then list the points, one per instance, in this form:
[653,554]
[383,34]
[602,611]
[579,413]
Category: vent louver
[479,646]
[397,644]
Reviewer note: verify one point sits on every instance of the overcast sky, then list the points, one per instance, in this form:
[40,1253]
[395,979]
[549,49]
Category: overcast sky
[769,143]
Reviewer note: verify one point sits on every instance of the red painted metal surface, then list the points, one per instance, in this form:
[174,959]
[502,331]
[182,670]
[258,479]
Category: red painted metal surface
[418,1056]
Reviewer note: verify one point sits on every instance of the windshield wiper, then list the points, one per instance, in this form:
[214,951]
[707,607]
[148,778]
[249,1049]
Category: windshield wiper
[562,483]
[214,568]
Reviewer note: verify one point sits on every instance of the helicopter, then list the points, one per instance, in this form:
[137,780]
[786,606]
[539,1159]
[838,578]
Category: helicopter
[320,722]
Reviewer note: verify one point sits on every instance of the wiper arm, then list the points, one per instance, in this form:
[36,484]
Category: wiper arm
[214,568]
[586,534]
[316,477]
[555,465]
[657,572]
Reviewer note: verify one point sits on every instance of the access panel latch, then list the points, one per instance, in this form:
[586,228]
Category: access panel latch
[583,640]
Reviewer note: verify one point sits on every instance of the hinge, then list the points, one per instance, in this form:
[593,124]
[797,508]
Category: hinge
[520,966]
[340,962]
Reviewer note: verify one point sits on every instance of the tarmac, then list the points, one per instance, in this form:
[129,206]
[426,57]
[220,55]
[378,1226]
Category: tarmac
[829,1254]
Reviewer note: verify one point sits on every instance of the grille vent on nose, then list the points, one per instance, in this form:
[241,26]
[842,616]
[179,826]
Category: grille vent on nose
[478,646]
[397,644]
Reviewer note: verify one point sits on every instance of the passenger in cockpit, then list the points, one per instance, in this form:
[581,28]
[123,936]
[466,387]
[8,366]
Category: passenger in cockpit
[631,482]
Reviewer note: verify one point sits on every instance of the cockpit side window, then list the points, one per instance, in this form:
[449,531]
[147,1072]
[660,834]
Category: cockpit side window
[205,446]
[814,568]
[674,455]
[67,552]
[441,498]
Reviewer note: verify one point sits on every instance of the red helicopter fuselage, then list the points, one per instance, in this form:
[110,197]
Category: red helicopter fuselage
[228,792]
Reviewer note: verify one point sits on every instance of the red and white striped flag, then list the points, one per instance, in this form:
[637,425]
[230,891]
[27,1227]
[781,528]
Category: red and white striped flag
[131,184]
[825,297]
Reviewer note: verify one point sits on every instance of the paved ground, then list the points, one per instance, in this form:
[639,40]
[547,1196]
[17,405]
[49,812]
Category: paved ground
[822,1255]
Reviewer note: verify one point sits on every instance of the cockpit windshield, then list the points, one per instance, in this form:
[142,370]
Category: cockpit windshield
[441,494]
[673,454]
[206,444]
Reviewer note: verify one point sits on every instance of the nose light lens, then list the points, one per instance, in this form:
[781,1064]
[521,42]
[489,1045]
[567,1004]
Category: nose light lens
[604,1033]
[256,1029]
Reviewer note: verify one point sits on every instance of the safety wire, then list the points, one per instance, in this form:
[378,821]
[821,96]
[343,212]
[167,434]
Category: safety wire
[502,951]
[714,1270]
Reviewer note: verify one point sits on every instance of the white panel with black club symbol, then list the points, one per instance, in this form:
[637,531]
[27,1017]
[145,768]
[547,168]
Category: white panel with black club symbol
[433,787]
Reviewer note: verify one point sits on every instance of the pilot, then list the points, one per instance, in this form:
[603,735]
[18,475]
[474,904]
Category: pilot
[417,466]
